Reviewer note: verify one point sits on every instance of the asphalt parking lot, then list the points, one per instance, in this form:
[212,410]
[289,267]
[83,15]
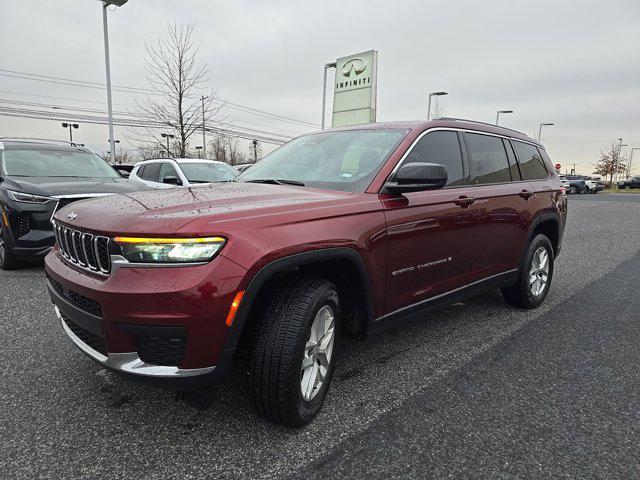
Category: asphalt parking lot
[479,390]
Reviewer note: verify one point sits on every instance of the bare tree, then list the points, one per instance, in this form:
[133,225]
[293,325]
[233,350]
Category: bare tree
[123,157]
[439,109]
[226,148]
[179,104]
[610,162]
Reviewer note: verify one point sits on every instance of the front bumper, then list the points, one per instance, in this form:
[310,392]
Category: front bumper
[108,318]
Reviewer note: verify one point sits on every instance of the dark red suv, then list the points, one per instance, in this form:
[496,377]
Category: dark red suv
[343,232]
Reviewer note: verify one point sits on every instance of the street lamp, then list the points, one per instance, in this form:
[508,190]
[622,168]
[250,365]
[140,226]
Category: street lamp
[327,66]
[433,94]
[198,148]
[167,136]
[105,4]
[499,112]
[540,129]
[617,160]
[70,126]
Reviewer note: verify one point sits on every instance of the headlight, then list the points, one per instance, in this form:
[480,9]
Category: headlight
[169,250]
[27,197]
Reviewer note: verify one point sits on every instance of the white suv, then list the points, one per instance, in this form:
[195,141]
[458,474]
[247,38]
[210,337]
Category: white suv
[173,172]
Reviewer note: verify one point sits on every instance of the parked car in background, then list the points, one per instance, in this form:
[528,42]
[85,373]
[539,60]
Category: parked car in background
[594,184]
[344,232]
[36,178]
[243,166]
[574,184]
[632,182]
[173,172]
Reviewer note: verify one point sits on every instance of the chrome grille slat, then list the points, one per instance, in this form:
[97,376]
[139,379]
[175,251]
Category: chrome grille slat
[88,251]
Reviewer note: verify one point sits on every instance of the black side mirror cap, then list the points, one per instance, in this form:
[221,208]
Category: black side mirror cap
[172,181]
[416,177]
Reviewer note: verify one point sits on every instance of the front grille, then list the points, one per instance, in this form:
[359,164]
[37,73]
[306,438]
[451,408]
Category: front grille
[91,339]
[80,301]
[166,351]
[84,249]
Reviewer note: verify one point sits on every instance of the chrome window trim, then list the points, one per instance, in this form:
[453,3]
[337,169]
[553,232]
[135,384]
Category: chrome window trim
[454,129]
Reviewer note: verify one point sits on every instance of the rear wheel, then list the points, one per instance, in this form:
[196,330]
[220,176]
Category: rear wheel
[294,356]
[573,190]
[536,273]
[7,258]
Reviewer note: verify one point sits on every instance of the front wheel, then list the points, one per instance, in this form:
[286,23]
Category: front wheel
[536,273]
[573,190]
[294,357]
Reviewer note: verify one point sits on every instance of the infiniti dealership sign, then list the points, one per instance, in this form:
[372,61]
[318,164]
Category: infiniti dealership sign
[354,98]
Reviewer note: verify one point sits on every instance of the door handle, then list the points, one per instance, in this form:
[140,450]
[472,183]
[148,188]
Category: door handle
[526,194]
[463,201]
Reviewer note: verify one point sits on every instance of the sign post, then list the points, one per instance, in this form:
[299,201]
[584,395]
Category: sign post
[355,89]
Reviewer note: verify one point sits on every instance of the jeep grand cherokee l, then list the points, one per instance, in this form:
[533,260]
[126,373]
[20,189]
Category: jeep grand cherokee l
[35,179]
[344,232]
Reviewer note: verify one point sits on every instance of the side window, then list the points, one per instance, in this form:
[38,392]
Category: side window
[531,164]
[443,148]
[140,171]
[151,171]
[513,163]
[489,159]
[167,170]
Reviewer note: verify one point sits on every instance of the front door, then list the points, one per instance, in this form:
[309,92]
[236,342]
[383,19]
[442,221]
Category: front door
[430,234]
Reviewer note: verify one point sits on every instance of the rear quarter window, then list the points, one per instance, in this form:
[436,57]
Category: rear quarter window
[530,160]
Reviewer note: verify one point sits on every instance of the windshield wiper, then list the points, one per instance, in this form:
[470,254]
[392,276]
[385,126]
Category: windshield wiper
[275,181]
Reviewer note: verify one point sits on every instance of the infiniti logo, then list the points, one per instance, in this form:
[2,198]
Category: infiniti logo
[355,65]
[72,216]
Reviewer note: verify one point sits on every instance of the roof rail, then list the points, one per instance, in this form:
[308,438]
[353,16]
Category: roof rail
[454,119]
[40,140]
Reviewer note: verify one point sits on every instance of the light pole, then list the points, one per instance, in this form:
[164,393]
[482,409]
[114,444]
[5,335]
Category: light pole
[327,66]
[167,136]
[499,112]
[617,160]
[255,150]
[631,161]
[109,142]
[70,126]
[204,141]
[198,148]
[105,4]
[433,94]
[540,129]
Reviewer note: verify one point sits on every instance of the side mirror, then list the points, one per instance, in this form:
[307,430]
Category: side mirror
[172,181]
[416,177]
[123,173]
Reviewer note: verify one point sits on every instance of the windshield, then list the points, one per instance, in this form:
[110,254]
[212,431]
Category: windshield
[208,172]
[55,163]
[346,160]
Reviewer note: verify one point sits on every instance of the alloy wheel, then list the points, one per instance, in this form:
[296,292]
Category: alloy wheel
[2,247]
[539,273]
[317,353]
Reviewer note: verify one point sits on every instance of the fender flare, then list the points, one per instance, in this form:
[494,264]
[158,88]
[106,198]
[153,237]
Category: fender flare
[291,261]
[543,217]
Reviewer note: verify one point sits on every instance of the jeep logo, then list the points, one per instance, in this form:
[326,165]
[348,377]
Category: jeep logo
[72,216]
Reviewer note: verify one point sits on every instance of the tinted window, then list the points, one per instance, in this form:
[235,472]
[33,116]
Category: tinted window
[490,164]
[167,170]
[151,171]
[513,163]
[530,161]
[442,148]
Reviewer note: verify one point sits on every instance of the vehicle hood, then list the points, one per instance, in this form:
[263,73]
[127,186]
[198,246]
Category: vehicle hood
[162,212]
[54,186]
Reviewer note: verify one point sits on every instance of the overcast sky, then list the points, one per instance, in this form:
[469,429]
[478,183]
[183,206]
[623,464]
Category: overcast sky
[573,63]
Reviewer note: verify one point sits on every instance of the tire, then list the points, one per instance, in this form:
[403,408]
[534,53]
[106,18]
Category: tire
[285,340]
[8,260]
[573,190]
[527,294]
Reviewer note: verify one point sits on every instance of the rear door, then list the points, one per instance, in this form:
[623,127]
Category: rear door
[504,205]
[149,175]
[430,234]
